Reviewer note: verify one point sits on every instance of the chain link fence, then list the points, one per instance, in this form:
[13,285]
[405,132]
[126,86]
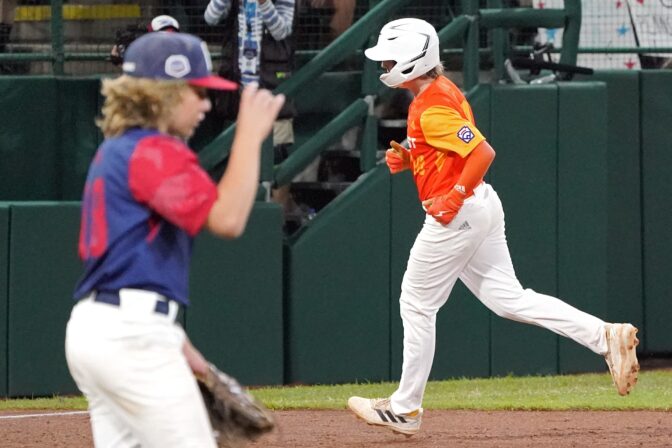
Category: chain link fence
[615,34]
[618,34]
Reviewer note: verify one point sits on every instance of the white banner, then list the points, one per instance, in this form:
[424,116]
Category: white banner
[604,24]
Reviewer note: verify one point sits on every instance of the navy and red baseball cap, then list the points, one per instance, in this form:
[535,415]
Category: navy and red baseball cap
[172,57]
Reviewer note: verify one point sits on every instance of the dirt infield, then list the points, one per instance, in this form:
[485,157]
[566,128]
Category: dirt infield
[327,429]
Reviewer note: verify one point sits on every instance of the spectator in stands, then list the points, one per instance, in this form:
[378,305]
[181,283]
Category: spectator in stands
[343,11]
[132,32]
[322,21]
[7,8]
[258,47]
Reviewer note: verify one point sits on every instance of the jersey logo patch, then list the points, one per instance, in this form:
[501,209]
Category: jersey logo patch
[465,134]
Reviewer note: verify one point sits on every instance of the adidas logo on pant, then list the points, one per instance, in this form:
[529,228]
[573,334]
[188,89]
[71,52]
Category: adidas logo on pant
[465,226]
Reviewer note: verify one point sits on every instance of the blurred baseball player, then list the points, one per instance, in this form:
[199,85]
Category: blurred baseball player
[463,233]
[145,199]
[125,37]
[164,23]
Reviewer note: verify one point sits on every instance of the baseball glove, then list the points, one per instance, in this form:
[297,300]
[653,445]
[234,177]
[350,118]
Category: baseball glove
[236,416]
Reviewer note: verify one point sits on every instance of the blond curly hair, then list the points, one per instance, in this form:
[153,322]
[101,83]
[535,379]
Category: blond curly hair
[436,71]
[138,102]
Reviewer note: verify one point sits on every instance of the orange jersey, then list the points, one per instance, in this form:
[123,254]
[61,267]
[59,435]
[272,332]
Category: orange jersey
[441,133]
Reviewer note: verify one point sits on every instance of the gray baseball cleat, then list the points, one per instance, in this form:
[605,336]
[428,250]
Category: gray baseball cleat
[378,411]
[621,356]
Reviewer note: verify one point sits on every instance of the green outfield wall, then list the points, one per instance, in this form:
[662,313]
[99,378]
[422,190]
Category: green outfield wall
[656,116]
[4,283]
[581,170]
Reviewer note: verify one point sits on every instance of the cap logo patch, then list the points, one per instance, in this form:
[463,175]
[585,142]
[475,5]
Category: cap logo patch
[177,66]
[465,134]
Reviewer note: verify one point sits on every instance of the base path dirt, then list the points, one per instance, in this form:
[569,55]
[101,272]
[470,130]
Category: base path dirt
[331,429]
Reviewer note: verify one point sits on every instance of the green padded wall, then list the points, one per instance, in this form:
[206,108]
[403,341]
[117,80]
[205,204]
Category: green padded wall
[338,293]
[29,144]
[236,290]
[79,104]
[657,207]
[47,143]
[44,270]
[524,135]
[4,285]
[625,285]
[582,211]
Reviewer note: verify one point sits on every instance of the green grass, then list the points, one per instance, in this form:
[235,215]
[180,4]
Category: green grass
[570,392]
[56,403]
[590,391]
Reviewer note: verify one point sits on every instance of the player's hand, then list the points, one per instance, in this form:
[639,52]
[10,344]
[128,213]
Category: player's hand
[197,363]
[444,208]
[397,158]
[258,110]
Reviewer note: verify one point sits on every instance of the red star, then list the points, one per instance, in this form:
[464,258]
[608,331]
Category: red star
[619,3]
[541,5]
[641,2]
[630,63]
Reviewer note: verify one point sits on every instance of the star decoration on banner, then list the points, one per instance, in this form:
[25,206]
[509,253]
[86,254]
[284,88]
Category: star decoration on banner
[629,63]
[641,2]
[541,5]
[619,3]
[622,30]
[550,34]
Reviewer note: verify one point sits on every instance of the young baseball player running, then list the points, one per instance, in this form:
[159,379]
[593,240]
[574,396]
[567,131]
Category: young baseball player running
[463,233]
[145,199]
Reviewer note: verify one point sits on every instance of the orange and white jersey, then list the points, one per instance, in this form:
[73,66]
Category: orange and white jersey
[441,133]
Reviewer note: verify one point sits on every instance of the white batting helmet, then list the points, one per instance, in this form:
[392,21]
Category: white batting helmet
[412,44]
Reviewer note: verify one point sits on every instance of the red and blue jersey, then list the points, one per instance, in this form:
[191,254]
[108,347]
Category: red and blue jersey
[145,199]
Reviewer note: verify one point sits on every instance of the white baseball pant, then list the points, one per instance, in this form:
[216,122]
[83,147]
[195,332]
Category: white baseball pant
[128,362]
[472,248]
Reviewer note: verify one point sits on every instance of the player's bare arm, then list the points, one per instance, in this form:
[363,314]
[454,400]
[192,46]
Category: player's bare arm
[238,187]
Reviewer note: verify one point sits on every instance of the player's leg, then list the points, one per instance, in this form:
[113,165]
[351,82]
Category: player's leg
[158,394]
[491,277]
[82,347]
[108,429]
[437,257]
[180,401]
[430,275]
